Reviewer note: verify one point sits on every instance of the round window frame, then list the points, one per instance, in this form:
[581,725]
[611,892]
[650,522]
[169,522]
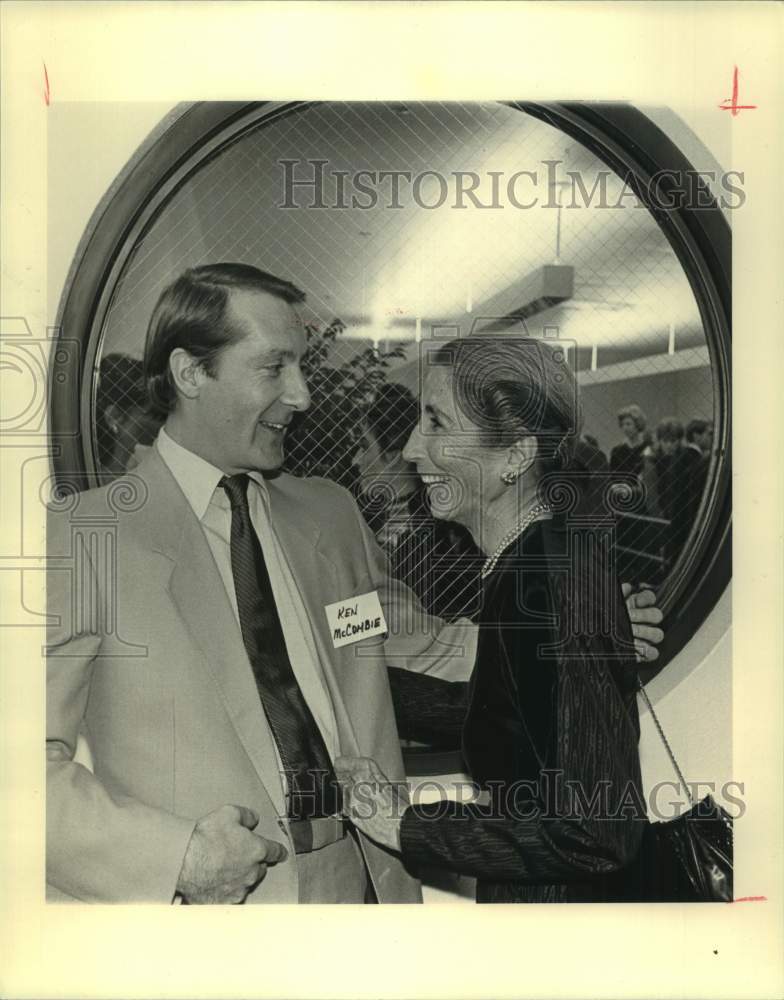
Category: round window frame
[620,135]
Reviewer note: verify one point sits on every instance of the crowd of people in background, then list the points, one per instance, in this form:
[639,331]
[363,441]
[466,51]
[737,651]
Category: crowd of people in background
[665,471]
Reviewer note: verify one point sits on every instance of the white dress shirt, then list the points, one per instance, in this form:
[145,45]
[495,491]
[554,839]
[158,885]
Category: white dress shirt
[198,480]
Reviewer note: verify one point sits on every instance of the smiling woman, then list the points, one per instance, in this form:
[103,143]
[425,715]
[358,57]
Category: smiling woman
[635,291]
[548,722]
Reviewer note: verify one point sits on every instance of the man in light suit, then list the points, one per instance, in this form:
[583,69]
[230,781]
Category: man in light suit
[189,795]
[191,641]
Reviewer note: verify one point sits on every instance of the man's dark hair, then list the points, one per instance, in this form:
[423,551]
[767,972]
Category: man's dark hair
[695,427]
[191,314]
[121,396]
[669,429]
[120,383]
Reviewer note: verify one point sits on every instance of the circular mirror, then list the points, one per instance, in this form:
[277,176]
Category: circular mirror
[406,223]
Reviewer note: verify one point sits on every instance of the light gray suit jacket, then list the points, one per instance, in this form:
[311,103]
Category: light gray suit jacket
[146,657]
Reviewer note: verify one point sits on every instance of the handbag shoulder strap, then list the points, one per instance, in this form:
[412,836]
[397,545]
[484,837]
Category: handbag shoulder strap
[667,746]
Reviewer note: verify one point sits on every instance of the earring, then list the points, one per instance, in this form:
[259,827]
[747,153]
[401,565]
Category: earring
[509,477]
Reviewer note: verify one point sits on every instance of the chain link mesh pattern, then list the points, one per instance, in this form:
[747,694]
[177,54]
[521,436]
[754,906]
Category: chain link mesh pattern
[383,277]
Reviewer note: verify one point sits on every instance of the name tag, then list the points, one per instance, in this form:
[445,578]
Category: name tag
[355,619]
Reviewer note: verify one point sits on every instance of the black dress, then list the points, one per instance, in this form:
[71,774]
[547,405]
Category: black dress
[438,560]
[628,458]
[549,730]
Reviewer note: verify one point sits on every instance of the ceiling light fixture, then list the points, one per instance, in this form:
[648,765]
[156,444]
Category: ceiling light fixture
[544,288]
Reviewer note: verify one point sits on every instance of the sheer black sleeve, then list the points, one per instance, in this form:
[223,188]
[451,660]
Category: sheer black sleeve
[595,832]
[428,709]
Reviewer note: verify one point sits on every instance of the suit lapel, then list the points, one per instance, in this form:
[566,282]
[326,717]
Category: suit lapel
[198,593]
[319,583]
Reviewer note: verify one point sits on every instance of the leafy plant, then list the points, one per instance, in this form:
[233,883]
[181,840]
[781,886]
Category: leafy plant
[322,440]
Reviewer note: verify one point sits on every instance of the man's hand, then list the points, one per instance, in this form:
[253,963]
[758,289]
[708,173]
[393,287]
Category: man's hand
[224,860]
[644,616]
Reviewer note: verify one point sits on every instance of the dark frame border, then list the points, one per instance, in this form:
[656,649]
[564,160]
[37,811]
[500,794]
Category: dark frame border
[630,144]
[618,134]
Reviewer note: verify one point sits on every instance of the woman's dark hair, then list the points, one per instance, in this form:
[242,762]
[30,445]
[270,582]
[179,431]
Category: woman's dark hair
[191,314]
[392,416]
[511,387]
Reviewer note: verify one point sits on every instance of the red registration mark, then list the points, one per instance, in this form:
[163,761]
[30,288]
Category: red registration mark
[731,103]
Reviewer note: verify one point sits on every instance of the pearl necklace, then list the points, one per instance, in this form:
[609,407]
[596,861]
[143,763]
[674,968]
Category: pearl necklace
[510,536]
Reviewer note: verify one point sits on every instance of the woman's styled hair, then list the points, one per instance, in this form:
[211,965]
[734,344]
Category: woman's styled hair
[633,411]
[191,314]
[392,416]
[511,387]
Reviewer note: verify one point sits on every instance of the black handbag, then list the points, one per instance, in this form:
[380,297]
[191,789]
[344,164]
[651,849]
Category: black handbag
[683,860]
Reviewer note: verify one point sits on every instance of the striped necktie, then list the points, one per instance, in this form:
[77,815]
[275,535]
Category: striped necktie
[313,789]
